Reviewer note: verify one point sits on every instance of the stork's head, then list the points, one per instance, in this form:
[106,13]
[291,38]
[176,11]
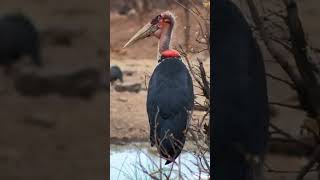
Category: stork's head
[156,27]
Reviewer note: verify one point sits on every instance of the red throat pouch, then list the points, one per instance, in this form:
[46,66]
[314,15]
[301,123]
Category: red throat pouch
[170,53]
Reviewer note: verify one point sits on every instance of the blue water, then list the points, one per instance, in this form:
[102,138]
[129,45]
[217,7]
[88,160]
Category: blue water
[126,162]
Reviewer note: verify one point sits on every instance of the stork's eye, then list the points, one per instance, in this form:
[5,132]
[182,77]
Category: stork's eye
[167,21]
[156,20]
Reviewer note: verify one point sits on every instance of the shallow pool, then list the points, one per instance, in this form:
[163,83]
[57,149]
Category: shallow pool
[129,162]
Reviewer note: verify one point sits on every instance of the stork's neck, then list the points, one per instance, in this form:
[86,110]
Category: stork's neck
[165,38]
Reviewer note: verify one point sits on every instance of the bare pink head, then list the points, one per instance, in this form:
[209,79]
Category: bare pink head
[161,27]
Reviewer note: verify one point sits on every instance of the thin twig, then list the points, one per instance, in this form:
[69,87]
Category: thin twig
[287,135]
[286,105]
[313,160]
[271,170]
[281,80]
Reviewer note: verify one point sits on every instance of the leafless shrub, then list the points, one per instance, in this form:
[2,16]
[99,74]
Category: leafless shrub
[281,35]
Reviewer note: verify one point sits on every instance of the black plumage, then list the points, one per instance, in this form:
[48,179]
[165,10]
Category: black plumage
[169,102]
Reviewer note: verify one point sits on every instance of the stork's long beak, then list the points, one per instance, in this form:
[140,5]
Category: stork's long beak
[144,32]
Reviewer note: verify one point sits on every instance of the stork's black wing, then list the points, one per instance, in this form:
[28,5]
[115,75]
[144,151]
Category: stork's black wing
[170,98]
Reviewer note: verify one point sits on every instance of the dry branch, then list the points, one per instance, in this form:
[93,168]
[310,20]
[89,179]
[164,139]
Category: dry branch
[276,54]
[281,80]
[313,160]
[305,79]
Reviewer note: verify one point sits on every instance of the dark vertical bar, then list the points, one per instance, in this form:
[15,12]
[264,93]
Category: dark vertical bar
[239,97]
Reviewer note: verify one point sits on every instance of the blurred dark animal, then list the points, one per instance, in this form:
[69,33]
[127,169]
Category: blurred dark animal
[240,111]
[115,74]
[18,37]
[170,97]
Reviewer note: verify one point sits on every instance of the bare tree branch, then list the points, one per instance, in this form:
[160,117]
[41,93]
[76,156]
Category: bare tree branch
[286,105]
[313,160]
[276,54]
[281,80]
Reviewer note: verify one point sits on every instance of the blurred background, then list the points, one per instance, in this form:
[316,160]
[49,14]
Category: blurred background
[53,121]
[129,125]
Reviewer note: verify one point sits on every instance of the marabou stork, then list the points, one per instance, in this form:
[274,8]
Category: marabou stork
[170,92]
[240,110]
